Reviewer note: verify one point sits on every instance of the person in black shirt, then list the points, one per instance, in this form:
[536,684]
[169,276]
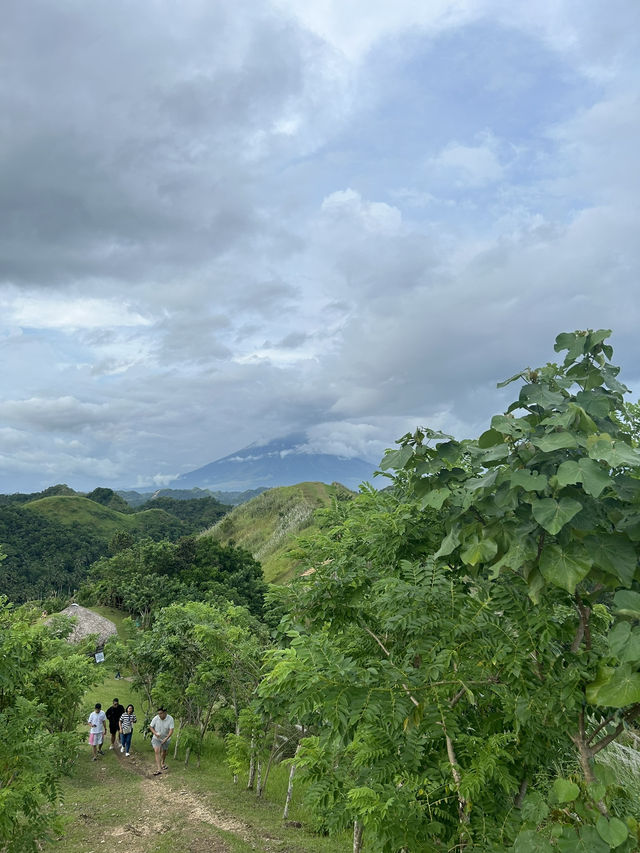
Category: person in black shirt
[113,715]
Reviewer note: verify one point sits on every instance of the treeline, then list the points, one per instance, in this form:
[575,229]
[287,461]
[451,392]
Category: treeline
[49,550]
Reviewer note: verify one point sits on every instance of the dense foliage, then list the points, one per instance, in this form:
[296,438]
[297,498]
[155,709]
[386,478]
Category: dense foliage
[463,688]
[52,537]
[149,575]
[42,682]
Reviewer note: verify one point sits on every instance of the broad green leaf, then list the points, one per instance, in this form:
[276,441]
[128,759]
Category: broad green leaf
[588,841]
[519,552]
[534,809]
[448,450]
[609,371]
[618,638]
[612,830]
[552,514]
[396,458]
[435,498]
[594,403]
[531,481]
[597,790]
[582,421]
[489,438]
[594,477]
[555,441]
[564,791]
[564,568]
[615,554]
[598,337]
[615,453]
[528,841]
[498,451]
[541,395]
[449,543]
[573,342]
[510,425]
[484,482]
[624,643]
[614,688]
[568,473]
[535,585]
[627,603]
[479,552]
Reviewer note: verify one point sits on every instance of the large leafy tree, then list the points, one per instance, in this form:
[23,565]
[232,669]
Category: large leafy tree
[459,677]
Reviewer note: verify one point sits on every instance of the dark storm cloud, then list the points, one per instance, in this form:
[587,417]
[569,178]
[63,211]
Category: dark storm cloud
[130,143]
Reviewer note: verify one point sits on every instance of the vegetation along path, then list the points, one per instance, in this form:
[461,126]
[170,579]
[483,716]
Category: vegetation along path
[118,803]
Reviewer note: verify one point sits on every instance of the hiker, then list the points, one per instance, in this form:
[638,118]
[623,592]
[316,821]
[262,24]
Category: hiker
[113,715]
[161,728]
[126,729]
[98,724]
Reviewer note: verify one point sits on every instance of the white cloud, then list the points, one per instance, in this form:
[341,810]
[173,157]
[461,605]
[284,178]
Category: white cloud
[68,313]
[375,216]
[471,165]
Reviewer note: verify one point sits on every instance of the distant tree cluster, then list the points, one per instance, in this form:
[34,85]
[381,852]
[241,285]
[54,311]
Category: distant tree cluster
[148,575]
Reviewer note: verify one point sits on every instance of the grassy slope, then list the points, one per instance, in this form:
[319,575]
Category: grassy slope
[267,525]
[73,509]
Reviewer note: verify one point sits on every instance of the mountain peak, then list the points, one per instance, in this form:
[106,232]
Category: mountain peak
[282,461]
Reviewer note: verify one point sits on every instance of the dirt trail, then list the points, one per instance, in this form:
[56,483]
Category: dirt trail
[178,806]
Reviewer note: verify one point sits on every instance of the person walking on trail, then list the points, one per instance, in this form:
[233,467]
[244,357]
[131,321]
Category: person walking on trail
[113,715]
[161,728]
[126,729]
[98,729]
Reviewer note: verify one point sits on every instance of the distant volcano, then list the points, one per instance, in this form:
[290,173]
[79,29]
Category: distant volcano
[281,462]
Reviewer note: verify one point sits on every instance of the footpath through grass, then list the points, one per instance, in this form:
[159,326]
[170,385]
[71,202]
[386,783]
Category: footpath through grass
[116,802]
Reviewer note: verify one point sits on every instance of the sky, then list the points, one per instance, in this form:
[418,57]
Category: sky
[225,222]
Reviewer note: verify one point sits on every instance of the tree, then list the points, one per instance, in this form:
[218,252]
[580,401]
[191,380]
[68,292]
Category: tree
[458,678]
[42,681]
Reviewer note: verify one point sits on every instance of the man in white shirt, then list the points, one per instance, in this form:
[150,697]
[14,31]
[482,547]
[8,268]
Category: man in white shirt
[97,730]
[161,728]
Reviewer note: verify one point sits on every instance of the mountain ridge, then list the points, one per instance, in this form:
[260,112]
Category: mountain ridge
[283,461]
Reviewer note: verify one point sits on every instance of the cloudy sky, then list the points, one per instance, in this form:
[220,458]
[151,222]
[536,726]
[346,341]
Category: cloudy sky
[222,222]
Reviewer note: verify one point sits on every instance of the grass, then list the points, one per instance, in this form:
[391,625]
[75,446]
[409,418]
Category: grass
[116,802]
[76,510]
[268,525]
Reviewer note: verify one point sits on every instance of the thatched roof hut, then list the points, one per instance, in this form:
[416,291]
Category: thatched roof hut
[88,622]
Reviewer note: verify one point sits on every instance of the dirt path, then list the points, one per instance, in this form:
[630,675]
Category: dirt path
[178,806]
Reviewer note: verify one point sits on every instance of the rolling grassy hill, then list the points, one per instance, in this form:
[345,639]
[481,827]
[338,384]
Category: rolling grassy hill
[268,525]
[78,511]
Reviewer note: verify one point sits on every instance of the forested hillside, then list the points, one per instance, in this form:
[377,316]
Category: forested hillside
[52,537]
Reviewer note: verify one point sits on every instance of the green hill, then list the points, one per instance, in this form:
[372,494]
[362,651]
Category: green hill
[268,525]
[77,511]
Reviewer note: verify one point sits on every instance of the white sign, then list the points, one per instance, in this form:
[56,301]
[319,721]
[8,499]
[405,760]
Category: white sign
[99,657]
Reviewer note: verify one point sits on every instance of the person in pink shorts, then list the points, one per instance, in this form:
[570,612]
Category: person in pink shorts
[97,730]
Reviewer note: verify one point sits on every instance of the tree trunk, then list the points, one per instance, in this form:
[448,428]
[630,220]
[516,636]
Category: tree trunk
[274,749]
[186,756]
[258,778]
[175,746]
[357,836]
[292,772]
[235,775]
[252,765]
